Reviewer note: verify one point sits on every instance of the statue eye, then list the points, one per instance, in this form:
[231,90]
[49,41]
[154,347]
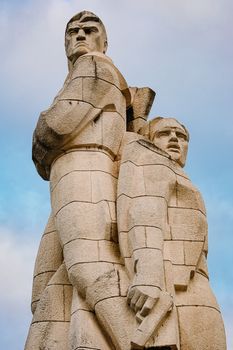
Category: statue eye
[73,31]
[90,30]
[163,133]
[181,136]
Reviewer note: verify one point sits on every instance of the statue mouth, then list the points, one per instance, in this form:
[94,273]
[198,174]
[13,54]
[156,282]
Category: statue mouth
[80,43]
[173,147]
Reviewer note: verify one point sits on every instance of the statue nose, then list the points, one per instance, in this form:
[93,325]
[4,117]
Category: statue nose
[81,35]
[173,136]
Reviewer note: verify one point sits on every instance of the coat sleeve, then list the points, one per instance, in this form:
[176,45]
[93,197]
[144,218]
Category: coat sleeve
[145,186]
[94,85]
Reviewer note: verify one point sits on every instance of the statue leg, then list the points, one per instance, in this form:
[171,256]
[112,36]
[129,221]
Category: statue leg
[51,320]
[200,321]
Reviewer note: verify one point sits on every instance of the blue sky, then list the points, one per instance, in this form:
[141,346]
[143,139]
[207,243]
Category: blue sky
[181,49]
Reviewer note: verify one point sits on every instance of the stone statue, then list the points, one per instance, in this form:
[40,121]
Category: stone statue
[163,238]
[132,280]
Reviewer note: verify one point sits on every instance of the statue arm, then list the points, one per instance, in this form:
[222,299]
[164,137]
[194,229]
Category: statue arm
[92,86]
[146,242]
[143,195]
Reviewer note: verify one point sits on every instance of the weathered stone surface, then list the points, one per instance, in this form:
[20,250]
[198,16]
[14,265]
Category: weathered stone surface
[122,262]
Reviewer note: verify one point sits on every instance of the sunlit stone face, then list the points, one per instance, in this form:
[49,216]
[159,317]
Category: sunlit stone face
[84,37]
[171,137]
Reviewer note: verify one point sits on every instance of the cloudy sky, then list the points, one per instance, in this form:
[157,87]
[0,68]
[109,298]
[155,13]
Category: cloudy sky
[180,48]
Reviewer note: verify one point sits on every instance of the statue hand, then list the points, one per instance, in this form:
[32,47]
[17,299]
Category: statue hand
[142,298]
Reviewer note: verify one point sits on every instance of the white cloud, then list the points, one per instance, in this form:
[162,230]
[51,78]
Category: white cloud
[17,255]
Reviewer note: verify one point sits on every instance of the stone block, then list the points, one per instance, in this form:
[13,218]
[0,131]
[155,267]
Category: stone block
[131,181]
[187,224]
[105,287]
[124,245]
[50,227]
[51,305]
[198,293]
[103,187]
[100,93]
[82,160]
[49,256]
[84,221]
[112,313]
[181,276]
[60,277]
[192,252]
[159,180]
[48,335]
[75,186]
[113,129]
[83,275]
[154,237]
[73,90]
[109,251]
[39,285]
[174,251]
[188,196]
[147,211]
[137,238]
[80,251]
[148,267]
[129,265]
[86,333]
[201,328]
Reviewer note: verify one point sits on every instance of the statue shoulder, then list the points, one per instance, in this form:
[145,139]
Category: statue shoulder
[99,66]
[142,151]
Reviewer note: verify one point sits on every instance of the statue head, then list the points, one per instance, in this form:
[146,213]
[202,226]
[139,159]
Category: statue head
[170,136]
[84,33]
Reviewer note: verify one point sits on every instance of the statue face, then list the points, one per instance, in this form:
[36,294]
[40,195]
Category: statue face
[172,138]
[84,37]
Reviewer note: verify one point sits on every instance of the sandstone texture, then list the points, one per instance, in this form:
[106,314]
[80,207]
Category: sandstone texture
[122,261]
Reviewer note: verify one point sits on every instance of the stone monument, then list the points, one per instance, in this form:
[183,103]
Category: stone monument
[122,262]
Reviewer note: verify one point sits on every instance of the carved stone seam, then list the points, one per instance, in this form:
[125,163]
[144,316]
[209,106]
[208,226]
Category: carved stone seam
[132,227]
[60,284]
[84,148]
[88,239]
[194,305]
[41,273]
[89,171]
[110,297]
[188,208]
[184,240]
[86,348]
[47,233]
[43,321]
[142,195]
[97,107]
[154,164]
[79,201]
[146,248]
[94,261]
[75,311]
[147,285]
[96,78]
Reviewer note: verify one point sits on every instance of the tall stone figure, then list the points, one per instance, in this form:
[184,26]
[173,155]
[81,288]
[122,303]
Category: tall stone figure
[163,238]
[122,262]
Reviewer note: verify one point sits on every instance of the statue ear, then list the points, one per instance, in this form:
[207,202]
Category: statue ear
[105,46]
